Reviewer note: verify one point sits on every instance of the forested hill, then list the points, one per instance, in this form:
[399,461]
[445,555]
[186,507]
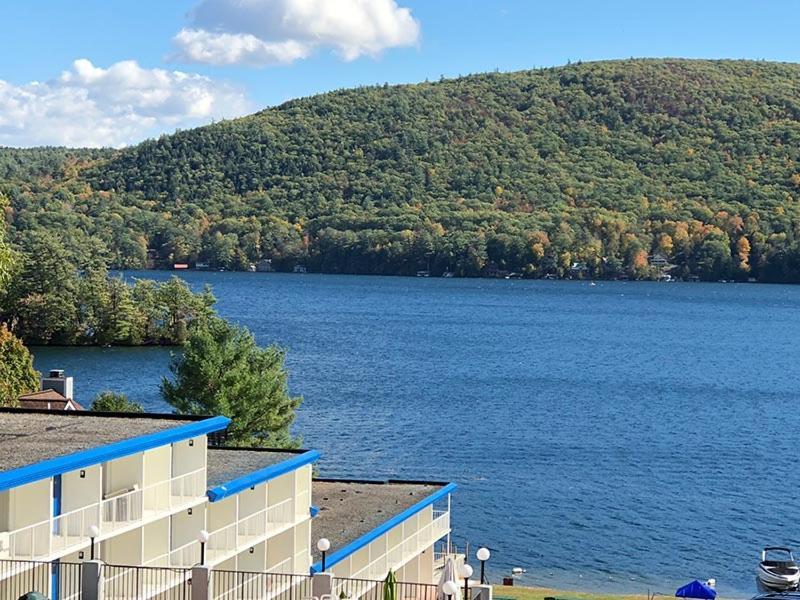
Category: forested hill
[583,170]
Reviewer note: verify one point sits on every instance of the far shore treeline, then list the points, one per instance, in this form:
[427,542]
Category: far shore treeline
[602,170]
[52,294]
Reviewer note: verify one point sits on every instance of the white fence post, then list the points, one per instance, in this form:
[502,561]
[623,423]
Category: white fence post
[92,580]
[201,582]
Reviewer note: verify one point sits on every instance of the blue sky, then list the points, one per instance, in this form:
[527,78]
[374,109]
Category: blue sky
[239,60]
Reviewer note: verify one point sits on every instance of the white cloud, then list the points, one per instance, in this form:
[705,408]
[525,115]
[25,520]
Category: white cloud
[269,32]
[92,106]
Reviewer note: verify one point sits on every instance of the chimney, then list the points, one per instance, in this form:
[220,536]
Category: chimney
[57,382]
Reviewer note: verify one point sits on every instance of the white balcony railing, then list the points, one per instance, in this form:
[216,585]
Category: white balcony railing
[251,529]
[186,555]
[399,554]
[285,567]
[70,530]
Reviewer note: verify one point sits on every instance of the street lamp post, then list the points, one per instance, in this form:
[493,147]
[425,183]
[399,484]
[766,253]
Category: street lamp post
[466,572]
[323,545]
[450,589]
[94,531]
[483,555]
[202,537]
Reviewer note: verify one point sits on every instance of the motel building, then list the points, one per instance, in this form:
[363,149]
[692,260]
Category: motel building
[124,506]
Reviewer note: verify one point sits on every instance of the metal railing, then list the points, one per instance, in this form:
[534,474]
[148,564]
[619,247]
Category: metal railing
[370,589]
[18,577]
[69,576]
[409,547]
[242,585]
[123,582]
[71,530]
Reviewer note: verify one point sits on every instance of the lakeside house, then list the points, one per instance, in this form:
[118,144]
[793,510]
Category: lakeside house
[152,496]
[55,393]
[48,400]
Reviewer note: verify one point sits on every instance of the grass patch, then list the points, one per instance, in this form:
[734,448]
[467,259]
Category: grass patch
[502,592]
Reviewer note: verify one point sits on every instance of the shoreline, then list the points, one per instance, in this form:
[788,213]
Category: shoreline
[521,592]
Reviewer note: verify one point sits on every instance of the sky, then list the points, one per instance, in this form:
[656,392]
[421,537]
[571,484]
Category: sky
[115,72]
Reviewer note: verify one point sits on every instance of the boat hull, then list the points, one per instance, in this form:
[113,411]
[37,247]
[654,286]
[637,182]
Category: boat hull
[778,581]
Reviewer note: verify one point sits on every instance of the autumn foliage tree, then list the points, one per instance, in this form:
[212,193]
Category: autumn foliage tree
[17,375]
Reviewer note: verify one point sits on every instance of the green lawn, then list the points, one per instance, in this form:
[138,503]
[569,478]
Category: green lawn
[526,593]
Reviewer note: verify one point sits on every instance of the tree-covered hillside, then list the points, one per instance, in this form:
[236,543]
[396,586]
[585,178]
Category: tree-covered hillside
[582,170]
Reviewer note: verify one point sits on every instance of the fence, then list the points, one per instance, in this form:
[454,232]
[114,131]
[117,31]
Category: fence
[368,589]
[242,585]
[62,581]
[124,582]
[57,580]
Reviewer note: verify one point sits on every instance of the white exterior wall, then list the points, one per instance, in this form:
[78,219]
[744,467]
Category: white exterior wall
[123,549]
[185,526]
[157,465]
[123,474]
[252,500]
[31,503]
[188,455]
[5,510]
[280,550]
[222,513]
[253,559]
[302,550]
[78,492]
[407,548]
[155,545]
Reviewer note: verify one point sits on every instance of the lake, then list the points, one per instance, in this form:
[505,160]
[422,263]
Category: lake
[616,437]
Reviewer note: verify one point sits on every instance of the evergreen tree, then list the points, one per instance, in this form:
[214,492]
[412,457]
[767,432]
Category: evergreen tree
[222,371]
[43,294]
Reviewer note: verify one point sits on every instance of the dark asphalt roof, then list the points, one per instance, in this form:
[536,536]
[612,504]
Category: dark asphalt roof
[227,464]
[29,436]
[349,509]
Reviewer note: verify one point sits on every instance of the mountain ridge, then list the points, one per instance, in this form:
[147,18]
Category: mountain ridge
[599,164]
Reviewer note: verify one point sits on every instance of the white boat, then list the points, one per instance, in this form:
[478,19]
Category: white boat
[778,569]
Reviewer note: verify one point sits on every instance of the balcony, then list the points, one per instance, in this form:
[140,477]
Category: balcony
[444,553]
[70,531]
[411,546]
[249,530]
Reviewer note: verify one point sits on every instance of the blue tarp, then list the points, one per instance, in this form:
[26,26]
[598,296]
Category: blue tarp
[696,589]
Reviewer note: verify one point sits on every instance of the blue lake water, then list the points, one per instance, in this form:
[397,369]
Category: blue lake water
[619,437]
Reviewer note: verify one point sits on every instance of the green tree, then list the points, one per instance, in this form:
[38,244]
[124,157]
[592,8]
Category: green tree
[114,402]
[17,375]
[222,371]
[6,256]
[43,296]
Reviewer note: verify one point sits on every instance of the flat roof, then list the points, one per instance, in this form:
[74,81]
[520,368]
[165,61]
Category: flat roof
[350,509]
[228,464]
[37,444]
[29,437]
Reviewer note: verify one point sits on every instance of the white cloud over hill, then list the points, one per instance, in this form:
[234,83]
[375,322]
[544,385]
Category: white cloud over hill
[116,106]
[271,32]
